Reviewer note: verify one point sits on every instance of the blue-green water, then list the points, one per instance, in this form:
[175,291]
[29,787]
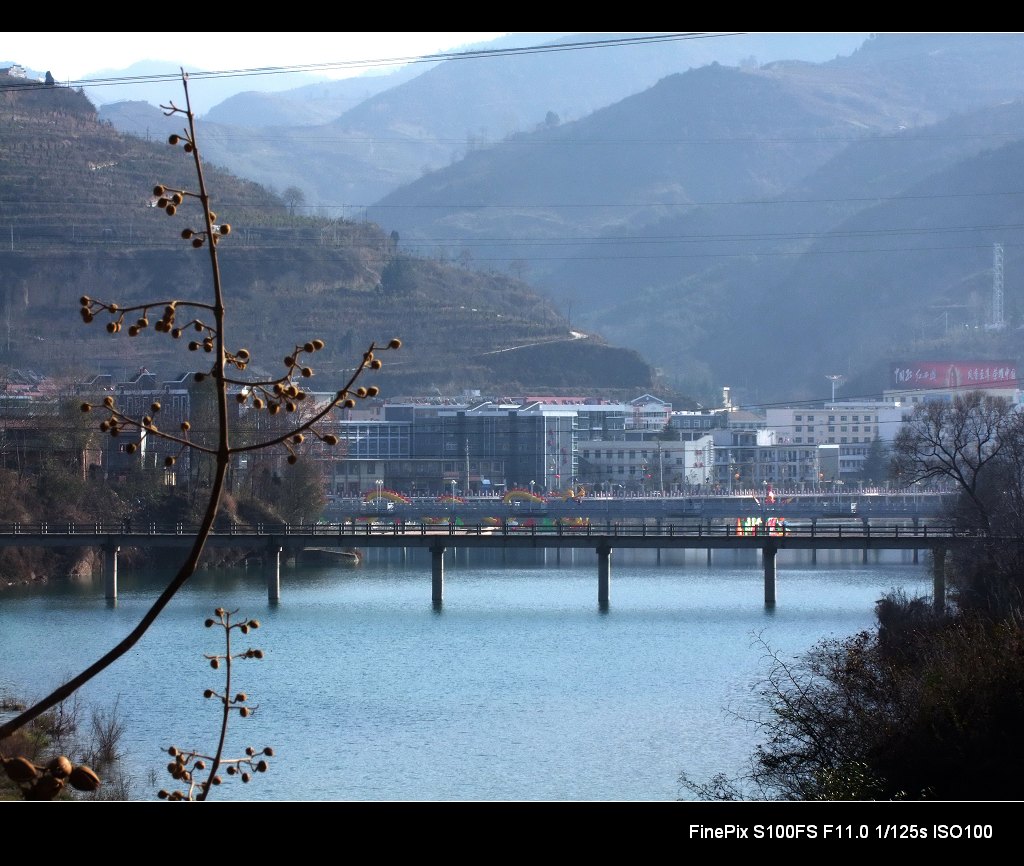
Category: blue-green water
[519,689]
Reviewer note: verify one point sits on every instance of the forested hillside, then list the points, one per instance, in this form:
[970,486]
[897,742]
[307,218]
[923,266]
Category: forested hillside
[76,205]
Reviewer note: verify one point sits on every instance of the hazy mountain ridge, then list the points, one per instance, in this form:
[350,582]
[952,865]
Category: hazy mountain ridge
[699,280]
[454,107]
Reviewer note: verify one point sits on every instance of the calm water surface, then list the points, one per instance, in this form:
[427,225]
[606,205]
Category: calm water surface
[519,688]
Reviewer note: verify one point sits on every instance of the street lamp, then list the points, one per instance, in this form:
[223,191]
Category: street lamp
[531,487]
[380,490]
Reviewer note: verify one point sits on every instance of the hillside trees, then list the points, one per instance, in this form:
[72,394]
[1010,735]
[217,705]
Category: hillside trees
[976,443]
[927,705]
[206,323]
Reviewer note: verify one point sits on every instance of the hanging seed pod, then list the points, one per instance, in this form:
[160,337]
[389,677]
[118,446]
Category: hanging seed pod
[83,779]
[20,770]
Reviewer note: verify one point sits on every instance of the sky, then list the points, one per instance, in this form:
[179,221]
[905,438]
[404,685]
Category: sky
[72,55]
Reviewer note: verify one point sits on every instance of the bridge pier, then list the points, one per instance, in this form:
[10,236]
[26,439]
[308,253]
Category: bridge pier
[437,573]
[272,571]
[768,553]
[604,575]
[938,579]
[110,552]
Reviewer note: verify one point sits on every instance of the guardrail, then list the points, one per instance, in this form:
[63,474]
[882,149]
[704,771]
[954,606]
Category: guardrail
[682,529]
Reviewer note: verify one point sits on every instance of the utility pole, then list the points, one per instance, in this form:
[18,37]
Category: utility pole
[661,471]
[465,487]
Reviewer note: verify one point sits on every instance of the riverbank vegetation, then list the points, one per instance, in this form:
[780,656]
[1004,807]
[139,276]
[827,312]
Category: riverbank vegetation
[929,704]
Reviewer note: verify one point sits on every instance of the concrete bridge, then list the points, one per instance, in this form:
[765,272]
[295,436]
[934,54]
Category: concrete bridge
[271,542]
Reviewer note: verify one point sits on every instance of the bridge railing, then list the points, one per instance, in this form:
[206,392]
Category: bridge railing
[124,531]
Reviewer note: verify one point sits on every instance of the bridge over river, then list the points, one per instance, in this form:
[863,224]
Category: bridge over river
[273,542]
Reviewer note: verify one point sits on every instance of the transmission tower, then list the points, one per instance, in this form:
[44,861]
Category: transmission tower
[998,322]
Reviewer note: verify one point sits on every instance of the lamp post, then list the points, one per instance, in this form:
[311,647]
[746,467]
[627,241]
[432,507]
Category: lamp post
[531,487]
[380,490]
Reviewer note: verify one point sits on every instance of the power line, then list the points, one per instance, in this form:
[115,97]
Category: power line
[391,61]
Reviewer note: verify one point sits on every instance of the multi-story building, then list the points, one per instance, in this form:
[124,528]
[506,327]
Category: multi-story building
[648,466]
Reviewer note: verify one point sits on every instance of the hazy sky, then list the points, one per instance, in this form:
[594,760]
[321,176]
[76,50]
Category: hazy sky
[72,55]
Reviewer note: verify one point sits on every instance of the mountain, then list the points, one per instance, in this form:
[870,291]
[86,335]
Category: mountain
[208,88]
[76,199]
[432,119]
[712,219]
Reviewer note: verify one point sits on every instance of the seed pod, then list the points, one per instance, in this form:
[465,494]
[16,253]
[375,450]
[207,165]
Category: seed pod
[225,229]
[85,407]
[174,139]
[269,752]
[154,407]
[197,242]
[395,344]
[60,767]
[84,779]
[46,788]
[169,461]
[318,345]
[20,769]
[292,459]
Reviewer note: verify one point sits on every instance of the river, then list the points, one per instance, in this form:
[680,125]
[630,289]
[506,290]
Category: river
[518,689]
